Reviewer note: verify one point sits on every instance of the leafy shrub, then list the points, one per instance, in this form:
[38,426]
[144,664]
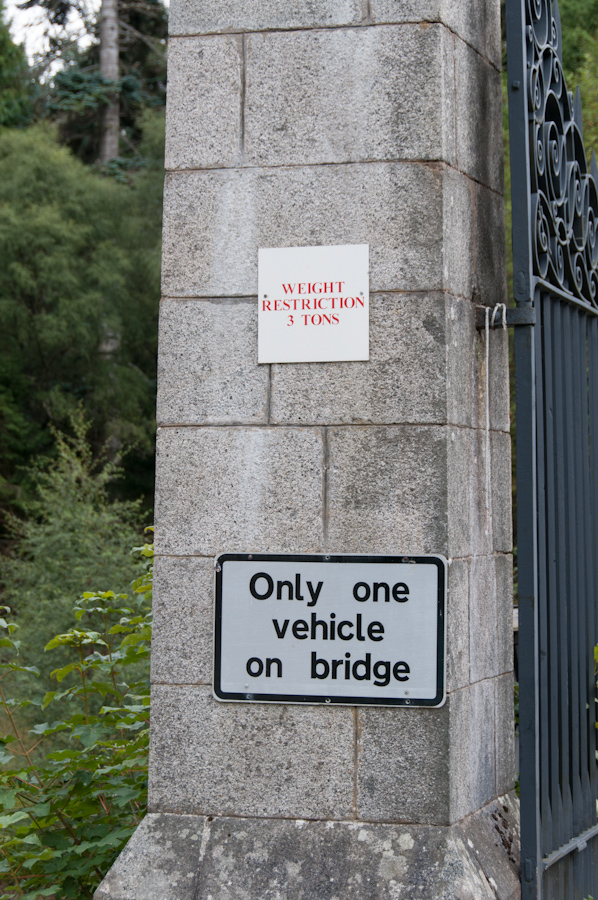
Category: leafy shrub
[74,538]
[79,297]
[72,792]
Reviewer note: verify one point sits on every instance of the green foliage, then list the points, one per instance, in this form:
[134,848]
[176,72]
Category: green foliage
[587,78]
[66,812]
[16,84]
[77,94]
[579,23]
[79,294]
[76,91]
[73,538]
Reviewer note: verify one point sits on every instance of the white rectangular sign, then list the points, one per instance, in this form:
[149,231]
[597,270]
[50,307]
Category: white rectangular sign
[358,630]
[313,304]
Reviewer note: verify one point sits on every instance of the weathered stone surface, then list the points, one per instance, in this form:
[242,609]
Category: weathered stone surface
[183,620]
[467,388]
[387,490]
[210,16]
[459,217]
[502,516]
[500,406]
[159,863]
[457,652]
[207,365]
[483,618]
[249,759]
[472,748]
[215,221]
[266,859]
[479,519]
[376,94]
[505,733]
[239,489]
[490,285]
[475,21]
[203,113]
[504,591]
[462,476]
[403,765]
[460,374]
[403,381]
[493,835]
[479,116]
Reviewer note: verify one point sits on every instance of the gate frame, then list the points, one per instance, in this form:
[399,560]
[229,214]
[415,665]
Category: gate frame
[529,285]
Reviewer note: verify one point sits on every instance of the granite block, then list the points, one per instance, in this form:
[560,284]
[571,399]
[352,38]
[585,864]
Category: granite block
[460,373]
[497,393]
[472,741]
[502,513]
[462,503]
[239,489]
[490,249]
[183,620]
[475,21]
[404,380]
[219,16]
[478,103]
[214,223]
[207,364]
[350,95]
[505,733]
[457,663]
[459,234]
[159,863]
[504,590]
[203,109]
[403,765]
[214,758]
[386,490]
[483,618]
[270,859]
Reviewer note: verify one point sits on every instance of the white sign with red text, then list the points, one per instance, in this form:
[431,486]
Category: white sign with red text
[313,304]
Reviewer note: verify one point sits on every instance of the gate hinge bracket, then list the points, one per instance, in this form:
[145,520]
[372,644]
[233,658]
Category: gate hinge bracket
[516,315]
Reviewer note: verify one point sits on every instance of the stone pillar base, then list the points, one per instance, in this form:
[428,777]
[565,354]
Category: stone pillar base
[174,857]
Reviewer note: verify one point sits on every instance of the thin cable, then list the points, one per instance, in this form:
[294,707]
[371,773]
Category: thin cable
[488,322]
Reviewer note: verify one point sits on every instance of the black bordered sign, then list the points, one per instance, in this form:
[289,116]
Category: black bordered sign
[345,629]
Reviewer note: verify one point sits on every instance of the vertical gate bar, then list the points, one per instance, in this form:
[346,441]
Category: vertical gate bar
[542,585]
[593,455]
[578,600]
[559,879]
[561,587]
[552,687]
[585,638]
[592,600]
[572,530]
[586,551]
[528,651]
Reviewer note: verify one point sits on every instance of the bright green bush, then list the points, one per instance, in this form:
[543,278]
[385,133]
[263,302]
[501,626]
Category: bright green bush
[74,789]
[72,538]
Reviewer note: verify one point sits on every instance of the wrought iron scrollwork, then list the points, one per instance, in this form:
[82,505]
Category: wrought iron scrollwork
[564,194]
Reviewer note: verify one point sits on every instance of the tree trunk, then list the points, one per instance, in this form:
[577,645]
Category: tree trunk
[109,69]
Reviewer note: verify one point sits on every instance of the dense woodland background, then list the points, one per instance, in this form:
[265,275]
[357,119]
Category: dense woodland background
[81,176]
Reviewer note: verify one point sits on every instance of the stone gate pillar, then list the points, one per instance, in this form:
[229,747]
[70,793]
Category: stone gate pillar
[294,123]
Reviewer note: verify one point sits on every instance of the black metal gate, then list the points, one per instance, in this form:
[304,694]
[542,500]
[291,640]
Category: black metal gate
[555,249]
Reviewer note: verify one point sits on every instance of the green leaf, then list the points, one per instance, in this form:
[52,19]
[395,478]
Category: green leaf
[6,821]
